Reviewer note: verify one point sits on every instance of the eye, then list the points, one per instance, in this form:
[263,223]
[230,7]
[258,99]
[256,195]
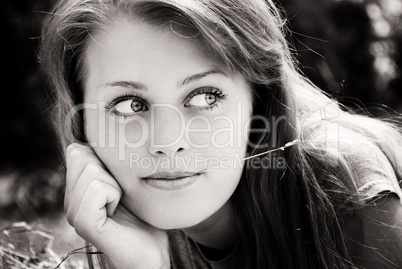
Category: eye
[127,105]
[204,98]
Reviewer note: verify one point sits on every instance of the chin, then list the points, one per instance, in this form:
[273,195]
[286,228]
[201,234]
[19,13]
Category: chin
[176,222]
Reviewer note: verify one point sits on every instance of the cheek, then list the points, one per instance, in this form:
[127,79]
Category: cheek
[114,133]
[228,130]
[131,135]
[95,127]
[115,140]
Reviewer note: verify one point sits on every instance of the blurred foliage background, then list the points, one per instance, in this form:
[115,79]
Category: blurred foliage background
[351,49]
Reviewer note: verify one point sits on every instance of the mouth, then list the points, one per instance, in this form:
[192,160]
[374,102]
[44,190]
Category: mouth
[171,180]
[171,175]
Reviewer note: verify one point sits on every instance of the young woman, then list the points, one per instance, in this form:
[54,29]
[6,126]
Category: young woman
[196,143]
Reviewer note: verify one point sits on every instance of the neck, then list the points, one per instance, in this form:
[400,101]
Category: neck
[218,232]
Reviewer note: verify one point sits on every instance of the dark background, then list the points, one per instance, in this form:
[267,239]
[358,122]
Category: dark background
[351,49]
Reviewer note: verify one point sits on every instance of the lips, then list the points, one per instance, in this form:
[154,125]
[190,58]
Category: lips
[171,175]
[170,181]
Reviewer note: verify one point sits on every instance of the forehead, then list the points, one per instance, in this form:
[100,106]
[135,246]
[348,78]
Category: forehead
[137,47]
[137,33]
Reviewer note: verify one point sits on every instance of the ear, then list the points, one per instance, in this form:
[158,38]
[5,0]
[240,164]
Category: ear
[382,233]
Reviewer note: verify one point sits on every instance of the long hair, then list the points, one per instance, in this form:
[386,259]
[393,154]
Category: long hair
[289,217]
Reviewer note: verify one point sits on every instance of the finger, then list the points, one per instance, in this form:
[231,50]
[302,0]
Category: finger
[77,160]
[91,217]
[73,146]
[92,172]
[79,156]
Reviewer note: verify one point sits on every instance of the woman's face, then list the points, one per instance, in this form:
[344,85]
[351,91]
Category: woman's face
[168,122]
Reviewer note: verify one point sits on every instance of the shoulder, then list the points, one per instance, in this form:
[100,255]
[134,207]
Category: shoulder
[374,235]
[355,160]
[372,170]
[365,165]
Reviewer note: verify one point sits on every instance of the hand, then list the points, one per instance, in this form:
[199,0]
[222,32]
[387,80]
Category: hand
[93,209]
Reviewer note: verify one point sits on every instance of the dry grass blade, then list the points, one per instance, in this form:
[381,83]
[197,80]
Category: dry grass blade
[23,246]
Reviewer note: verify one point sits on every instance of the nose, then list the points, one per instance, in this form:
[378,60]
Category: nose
[167,131]
[167,151]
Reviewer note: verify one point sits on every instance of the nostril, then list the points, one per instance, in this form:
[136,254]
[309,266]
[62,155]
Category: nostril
[166,151]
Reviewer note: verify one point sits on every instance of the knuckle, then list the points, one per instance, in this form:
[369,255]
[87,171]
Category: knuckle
[94,168]
[96,185]
[117,193]
[76,152]
[75,157]
[114,192]
[71,147]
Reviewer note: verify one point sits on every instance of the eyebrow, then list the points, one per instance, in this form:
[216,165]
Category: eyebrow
[139,86]
[199,76]
[126,84]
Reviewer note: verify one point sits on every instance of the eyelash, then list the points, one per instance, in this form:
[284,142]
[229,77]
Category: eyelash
[110,105]
[210,90]
[138,97]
